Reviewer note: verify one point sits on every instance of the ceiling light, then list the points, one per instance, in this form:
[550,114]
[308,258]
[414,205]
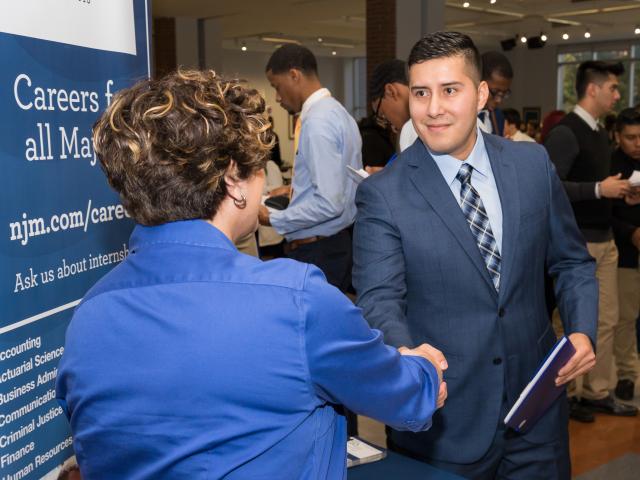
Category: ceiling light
[543,37]
[565,36]
[339,45]
[523,39]
[243,48]
[637,31]
[492,1]
[587,34]
[279,40]
[466,4]
[319,39]
[334,53]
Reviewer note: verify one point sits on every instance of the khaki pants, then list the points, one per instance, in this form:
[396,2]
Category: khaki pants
[597,383]
[625,350]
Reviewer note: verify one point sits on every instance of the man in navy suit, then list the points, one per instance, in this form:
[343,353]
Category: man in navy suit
[450,247]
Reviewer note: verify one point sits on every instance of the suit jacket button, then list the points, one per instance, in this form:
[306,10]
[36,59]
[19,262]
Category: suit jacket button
[501,312]
[497,361]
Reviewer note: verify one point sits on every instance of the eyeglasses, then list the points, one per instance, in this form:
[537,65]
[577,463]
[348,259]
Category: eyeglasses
[381,120]
[503,94]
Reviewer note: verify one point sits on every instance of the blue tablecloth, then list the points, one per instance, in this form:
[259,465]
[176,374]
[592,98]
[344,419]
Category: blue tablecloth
[398,466]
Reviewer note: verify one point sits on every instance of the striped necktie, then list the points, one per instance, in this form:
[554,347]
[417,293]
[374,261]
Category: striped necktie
[478,221]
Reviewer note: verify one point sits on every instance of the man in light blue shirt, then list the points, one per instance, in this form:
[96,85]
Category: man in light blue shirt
[322,207]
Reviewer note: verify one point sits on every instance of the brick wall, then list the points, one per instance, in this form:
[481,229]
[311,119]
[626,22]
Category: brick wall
[381,34]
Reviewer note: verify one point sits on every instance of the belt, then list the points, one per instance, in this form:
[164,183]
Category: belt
[293,244]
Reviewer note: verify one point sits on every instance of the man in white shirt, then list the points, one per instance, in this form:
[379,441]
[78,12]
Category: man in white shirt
[580,150]
[512,126]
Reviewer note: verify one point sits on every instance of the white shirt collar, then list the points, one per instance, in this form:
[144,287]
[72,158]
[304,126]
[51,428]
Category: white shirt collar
[313,98]
[586,116]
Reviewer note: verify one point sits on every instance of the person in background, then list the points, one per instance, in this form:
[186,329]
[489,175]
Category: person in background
[275,151]
[533,130]
[190,360]
[549,121]
[450,245]
[270,242]
[512,126]
[579,148]
[389,95]
[497,72]
[626,229]
[316,224]
[609,123]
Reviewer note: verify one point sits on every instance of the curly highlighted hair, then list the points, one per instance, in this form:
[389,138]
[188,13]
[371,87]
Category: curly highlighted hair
[165,145]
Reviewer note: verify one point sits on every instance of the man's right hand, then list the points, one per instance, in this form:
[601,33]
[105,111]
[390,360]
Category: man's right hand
[283,190]
[437,359]
[614,187]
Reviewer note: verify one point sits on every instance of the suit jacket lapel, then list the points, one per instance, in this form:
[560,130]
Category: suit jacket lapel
[429,182]
[504,172]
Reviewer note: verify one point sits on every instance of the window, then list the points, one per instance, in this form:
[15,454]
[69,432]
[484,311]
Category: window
[629,82]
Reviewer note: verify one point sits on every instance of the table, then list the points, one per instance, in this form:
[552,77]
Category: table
[396,466]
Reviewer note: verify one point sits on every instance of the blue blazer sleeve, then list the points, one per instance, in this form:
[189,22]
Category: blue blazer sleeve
[378,267]
[349,364]
[569,263]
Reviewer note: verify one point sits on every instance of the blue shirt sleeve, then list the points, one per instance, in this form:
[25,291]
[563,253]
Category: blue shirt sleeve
[349,363]
[323,196]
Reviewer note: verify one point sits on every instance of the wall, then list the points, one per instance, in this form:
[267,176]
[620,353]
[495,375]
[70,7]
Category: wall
[344,77]
[535,78]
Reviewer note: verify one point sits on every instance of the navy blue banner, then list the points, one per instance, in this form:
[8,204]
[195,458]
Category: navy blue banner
[62,226]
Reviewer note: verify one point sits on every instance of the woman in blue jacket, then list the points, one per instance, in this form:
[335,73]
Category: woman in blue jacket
[192,360]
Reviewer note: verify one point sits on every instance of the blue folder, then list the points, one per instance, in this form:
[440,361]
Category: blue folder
[542,391]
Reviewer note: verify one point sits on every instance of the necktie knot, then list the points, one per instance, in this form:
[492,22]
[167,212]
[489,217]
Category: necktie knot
[464,174]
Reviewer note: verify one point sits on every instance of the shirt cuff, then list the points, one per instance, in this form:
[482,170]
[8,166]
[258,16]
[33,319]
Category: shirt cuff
[597,191]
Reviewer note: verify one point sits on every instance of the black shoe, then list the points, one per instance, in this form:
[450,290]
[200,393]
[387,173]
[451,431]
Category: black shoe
[579,413]
[609,406]
[625,389]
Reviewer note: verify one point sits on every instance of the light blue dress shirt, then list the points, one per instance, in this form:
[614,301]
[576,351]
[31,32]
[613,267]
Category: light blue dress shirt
[191,360]
[482,180]
[323,201]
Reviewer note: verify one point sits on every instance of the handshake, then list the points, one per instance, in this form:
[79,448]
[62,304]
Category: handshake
[437,359]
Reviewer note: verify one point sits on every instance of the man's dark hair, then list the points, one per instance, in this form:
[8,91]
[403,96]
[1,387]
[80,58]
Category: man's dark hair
[391,71]
[595,72]
[512,116]
[443,45]
[495,62]
[292,56]
[628,116]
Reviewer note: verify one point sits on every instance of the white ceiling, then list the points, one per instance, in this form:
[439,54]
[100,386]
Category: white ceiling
[342,23]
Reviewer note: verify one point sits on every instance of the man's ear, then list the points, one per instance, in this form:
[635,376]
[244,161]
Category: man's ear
[483,95]
[391,91]
[617,137]
[592,89]
[295,75]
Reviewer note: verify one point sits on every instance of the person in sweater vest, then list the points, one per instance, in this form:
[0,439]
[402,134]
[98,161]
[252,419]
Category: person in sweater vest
[626,229]
[579,148]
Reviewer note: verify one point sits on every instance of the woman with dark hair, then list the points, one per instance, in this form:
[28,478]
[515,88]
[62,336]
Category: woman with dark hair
[549,121]
[192,360]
